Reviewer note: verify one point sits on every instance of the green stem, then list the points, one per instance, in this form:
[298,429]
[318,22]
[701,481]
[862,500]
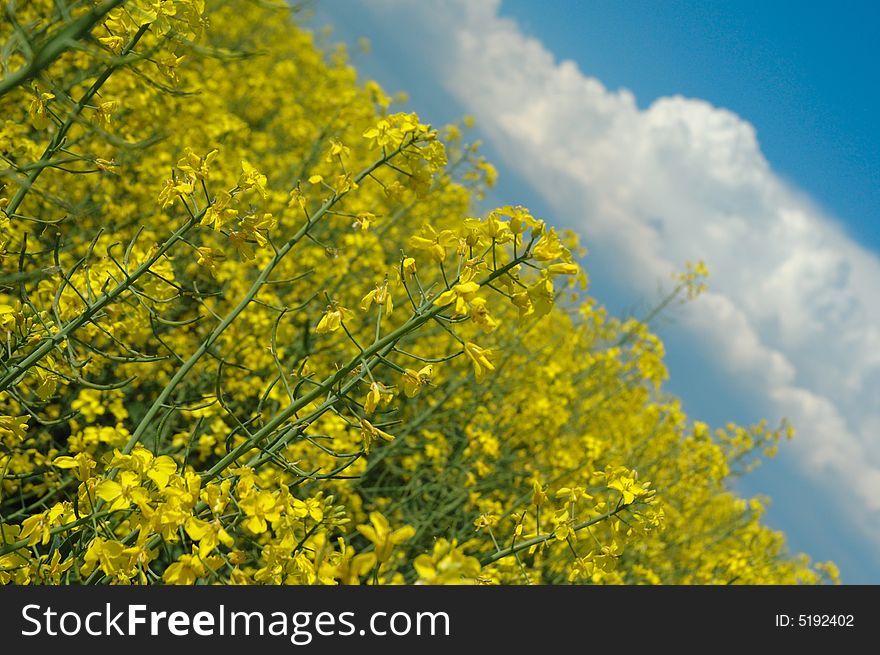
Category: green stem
[381,348]
[58,140]
[89,312]
[56,45]
[543,538]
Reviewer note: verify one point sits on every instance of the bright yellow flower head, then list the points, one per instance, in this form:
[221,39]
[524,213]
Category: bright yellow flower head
[383,538]
[331,321]
[481,358]
[413,381]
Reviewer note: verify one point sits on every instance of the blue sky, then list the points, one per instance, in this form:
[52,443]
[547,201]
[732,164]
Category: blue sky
[806,78]
[736,132]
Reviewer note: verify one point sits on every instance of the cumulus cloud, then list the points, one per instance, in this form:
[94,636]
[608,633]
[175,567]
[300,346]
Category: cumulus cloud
[793,303]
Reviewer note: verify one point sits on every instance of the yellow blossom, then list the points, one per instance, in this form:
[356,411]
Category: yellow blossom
[459,294]
[383,538]
[382,297]
[331,321]
[251,178]
[370,434]
[413,381]
[481,358]
[378,394]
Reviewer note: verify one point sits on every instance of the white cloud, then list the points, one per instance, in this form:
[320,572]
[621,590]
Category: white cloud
[793,304]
